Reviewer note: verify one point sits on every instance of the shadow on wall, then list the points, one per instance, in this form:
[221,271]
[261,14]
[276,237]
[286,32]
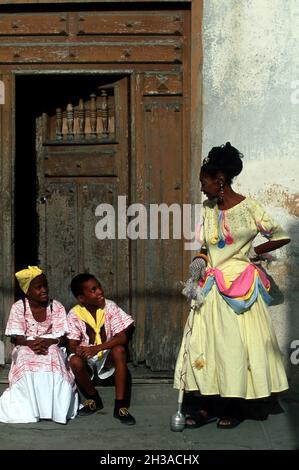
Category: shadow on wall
[288,294]
[292,297]
[278,296]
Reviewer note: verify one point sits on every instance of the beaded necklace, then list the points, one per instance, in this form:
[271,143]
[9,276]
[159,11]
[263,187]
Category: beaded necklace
[222,234]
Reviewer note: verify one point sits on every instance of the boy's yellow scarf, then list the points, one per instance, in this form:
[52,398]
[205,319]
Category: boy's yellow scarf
[96,325]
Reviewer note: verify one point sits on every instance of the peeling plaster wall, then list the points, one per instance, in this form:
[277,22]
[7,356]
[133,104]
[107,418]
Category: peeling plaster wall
[251,98]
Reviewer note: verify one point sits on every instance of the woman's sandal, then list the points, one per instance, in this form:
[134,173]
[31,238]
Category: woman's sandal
[198,419]
[228,423]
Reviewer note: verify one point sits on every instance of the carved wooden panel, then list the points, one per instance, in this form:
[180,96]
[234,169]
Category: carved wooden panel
[91,162]
[163,83]
[131,23]
[70,207]
[168,51]
[32,24]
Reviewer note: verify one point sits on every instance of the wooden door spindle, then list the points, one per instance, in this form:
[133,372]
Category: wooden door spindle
[70,121]
[58,124]
[81,119]
[93,116]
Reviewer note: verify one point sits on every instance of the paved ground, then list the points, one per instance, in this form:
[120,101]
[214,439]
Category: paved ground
[152,405]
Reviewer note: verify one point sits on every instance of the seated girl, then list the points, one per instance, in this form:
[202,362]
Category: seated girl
[41,385]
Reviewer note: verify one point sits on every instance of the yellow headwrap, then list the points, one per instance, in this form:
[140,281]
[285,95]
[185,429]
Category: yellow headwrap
[96,325]
[25,276]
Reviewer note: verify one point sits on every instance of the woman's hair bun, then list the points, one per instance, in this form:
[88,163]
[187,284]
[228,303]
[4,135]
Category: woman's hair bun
[226,159]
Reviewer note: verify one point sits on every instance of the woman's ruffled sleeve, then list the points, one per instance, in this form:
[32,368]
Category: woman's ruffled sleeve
[267,226]
[74,327]
[59,322]
[16,324]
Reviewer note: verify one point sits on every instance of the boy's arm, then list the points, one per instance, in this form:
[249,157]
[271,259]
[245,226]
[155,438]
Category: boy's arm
[89,351]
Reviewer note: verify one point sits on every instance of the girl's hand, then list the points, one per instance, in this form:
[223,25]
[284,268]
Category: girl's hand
[38,346]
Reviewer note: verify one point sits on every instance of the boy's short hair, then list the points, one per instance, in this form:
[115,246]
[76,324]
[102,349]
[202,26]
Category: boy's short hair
[78,280]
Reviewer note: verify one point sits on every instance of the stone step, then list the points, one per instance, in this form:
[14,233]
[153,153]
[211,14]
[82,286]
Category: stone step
[140,375]
[141,395]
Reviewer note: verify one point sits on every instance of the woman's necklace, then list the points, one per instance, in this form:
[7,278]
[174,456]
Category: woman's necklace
[222,234]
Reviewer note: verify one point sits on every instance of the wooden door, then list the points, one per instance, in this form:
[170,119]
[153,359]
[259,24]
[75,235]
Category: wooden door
[82,162]
[53,222]
[162,309]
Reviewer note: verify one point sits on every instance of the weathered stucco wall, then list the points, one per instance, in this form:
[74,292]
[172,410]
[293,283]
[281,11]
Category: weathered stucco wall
[251,98]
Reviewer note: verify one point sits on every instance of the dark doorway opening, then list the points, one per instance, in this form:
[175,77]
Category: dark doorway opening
[25,228]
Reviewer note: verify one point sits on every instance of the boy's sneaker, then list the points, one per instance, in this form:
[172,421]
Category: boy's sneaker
[123,415]
[90,406]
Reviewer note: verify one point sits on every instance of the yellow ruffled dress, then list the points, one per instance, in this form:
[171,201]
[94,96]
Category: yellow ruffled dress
[233,350]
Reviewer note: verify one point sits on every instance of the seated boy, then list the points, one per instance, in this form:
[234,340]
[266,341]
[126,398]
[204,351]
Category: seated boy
[98,328]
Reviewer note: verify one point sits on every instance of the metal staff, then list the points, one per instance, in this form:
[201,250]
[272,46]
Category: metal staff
[193,292]
[178,420]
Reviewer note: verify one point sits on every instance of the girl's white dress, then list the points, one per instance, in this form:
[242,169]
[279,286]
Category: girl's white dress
[40,386]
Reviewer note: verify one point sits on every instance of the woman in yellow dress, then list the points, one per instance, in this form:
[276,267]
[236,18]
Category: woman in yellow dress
[233,351]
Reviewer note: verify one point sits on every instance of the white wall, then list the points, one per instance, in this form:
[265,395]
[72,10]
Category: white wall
[251,98]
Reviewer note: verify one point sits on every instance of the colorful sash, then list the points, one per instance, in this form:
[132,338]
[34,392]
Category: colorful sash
[243,291]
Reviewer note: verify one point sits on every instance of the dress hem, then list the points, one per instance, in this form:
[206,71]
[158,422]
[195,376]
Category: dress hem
[235,396]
